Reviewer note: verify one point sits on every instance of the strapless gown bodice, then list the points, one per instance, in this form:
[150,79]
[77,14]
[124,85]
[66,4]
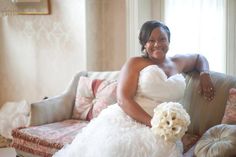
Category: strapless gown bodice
[154,87]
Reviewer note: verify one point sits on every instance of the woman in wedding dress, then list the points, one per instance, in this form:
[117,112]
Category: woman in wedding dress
[123,129]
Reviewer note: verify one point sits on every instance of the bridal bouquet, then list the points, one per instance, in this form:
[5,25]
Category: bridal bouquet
[170,121]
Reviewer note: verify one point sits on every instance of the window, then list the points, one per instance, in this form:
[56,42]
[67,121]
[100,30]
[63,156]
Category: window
[198,26]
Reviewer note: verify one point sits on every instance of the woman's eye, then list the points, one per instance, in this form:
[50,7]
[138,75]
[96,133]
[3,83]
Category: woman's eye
[163,39]
[151,41]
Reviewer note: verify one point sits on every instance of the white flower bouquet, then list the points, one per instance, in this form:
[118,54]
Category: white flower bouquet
[170,121]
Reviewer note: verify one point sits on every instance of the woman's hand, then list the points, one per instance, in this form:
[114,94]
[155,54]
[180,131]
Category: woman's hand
[206,86]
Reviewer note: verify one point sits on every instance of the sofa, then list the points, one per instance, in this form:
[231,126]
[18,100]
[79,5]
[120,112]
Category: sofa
[52,125]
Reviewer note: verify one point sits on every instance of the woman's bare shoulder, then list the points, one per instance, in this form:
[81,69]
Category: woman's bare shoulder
[183,56]
[138,62]
[177,57]
[184,62]
[137,59]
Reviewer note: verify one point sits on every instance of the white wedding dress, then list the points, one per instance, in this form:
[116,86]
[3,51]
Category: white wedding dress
[114,134]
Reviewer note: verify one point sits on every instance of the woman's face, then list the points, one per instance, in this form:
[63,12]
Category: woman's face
[157,44]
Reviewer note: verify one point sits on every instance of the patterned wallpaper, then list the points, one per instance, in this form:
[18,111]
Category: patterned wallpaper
[39,54]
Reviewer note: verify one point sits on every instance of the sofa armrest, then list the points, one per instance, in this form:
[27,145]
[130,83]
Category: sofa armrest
[205,114]
[51,110]
[57,108]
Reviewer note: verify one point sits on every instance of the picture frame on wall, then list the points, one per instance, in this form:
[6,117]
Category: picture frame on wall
[32,7]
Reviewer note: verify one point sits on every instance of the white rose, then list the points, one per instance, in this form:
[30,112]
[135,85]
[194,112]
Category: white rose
[170,121]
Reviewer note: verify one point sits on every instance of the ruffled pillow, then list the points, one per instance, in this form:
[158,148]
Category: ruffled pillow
[92,96]
[218,141]
[230,110]
[13,115]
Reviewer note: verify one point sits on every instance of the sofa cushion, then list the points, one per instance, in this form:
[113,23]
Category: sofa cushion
[218,141]
[45,140]
[93,95]
[230,110]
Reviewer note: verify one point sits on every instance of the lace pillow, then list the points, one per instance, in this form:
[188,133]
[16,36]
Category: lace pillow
[13,115]
[230,110]
[218,141]
[92,96]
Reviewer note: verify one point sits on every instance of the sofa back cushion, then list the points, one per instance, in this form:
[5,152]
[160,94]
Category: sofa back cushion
[205,114]
[93,95]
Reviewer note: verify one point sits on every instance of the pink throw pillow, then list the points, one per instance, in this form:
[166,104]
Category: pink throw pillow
[92,96]
[230,109]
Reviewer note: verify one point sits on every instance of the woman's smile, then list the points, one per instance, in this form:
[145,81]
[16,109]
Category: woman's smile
[158,44]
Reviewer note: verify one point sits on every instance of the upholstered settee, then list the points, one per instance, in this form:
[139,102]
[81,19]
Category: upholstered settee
[52,125]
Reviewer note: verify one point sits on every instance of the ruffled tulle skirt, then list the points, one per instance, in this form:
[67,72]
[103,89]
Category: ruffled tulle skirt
[114,134]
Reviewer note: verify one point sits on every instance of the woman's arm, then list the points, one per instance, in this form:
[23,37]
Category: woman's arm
[126,91]
[191,62]
[201,64]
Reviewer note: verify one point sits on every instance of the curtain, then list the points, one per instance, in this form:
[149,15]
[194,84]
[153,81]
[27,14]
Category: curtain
[231,38]
[198,26]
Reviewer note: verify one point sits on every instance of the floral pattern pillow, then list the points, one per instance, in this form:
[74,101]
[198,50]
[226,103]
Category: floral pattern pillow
[230,110]
[92,96]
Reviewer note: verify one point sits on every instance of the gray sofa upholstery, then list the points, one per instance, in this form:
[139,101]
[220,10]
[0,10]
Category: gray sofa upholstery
[204,114]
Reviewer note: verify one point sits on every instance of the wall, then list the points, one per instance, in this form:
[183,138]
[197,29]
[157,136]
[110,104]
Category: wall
[40,54]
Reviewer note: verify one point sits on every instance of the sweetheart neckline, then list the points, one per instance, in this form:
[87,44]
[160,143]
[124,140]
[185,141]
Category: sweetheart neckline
[162,71]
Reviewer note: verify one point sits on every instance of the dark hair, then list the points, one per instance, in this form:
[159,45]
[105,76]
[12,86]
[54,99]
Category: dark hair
[147,29]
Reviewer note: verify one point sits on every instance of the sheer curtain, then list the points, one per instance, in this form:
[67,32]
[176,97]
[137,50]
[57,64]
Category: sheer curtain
[198,26]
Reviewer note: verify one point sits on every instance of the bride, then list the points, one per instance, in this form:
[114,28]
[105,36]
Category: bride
[123,129]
